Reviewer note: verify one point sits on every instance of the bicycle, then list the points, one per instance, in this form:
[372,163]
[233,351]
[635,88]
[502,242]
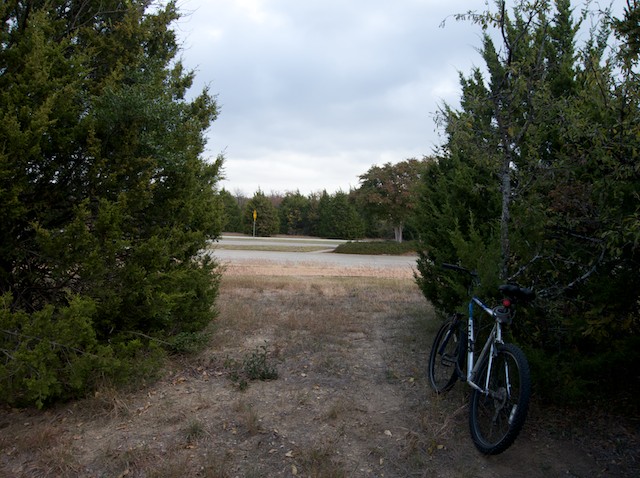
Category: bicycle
[499,375]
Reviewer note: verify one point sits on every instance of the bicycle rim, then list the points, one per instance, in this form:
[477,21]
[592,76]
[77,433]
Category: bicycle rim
[497,416]
[443,357]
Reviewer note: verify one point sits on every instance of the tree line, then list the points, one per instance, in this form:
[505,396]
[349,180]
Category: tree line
[382,206]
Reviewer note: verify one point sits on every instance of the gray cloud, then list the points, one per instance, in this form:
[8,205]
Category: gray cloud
[315,92]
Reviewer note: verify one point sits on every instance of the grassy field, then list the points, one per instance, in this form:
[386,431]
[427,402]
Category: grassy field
[303,377]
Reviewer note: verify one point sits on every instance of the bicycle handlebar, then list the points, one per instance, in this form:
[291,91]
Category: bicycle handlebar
[511,290]
[456,268]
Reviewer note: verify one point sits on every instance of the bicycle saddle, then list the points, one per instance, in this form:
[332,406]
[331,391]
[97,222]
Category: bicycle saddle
[516,292]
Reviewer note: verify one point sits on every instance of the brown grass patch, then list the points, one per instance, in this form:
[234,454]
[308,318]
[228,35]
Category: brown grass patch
[350,400]
[257,268]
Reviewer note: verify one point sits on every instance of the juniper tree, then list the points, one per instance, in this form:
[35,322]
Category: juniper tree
[105,197]
[538,183]
[267,222]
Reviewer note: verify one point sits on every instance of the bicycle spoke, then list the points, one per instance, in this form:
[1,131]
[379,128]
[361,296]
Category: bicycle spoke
[497,415]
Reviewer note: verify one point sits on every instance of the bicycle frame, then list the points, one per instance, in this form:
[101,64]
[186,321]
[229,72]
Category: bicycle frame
[499,374]
[495,337]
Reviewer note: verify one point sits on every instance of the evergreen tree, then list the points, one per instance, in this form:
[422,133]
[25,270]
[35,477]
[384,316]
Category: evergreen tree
[267,220]
[232,212]
[538,183]
[105,198]
[338,218]
[313,214]
[294,214]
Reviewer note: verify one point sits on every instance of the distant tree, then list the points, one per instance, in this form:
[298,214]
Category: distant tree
[241,198]
[275,198]
[338,218]
[294,214]
[267,220]
[313,214]
[389,192]
[105,201]
[232,218]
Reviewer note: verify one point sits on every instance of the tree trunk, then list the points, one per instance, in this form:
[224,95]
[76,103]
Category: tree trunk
[505,178]
[397,231]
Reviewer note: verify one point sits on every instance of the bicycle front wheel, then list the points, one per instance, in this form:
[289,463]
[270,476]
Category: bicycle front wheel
[498,413]
[444,356]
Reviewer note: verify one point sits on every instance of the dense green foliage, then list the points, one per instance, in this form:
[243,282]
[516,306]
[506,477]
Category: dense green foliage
[382,207]
[388,193]
[267,222]
[232,213]
[295,213]
[338,217]
[538,182]
[105,199]
[333,216]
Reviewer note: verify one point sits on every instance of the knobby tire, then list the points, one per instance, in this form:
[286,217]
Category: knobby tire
[444,356]
[495,421]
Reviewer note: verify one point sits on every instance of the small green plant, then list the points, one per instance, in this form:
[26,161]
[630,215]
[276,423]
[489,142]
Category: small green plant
[194,431]
[234,371]
[255,366]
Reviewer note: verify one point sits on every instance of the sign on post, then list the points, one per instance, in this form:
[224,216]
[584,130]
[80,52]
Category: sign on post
[255,216]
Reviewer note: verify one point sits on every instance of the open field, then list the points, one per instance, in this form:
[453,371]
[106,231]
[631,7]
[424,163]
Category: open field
[349,400]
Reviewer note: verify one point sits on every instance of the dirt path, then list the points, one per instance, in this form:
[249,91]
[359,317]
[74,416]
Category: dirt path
[349,400]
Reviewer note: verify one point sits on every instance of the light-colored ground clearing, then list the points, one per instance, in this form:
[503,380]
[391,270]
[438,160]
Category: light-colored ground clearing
[350,399]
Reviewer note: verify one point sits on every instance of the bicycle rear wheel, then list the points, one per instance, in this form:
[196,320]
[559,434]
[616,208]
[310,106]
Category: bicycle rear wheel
[444,356]
[497,415]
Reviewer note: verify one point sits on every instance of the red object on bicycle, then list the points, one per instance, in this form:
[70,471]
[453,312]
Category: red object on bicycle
[506,302]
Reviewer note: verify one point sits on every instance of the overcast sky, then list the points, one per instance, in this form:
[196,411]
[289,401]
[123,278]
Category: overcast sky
[315,92]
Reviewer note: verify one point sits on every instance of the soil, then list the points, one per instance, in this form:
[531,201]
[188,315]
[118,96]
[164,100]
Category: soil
[350,399]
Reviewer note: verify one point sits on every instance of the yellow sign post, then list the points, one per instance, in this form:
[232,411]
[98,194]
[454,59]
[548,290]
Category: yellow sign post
[255,216]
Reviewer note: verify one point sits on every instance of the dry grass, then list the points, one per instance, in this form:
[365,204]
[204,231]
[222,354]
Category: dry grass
[350,400]
[248,417]
[307,270]
[320,460]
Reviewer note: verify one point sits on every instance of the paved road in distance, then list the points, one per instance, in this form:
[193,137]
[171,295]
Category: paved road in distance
[317,257]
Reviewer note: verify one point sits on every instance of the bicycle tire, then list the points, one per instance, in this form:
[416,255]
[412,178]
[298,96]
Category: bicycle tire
[496,421]
[444,356]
